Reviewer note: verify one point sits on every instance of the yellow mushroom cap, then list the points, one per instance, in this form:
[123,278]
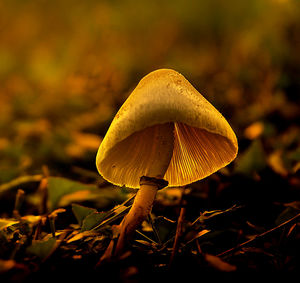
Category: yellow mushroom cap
[203,140]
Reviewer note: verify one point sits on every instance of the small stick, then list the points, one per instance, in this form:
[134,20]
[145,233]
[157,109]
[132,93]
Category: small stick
[52,225]
[179,229]
[38,230]
[51,217]
[259,236]
[19,200]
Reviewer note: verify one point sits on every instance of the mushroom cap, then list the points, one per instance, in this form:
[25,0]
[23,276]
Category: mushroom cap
[203,140]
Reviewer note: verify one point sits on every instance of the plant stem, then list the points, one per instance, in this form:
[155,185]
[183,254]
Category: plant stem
[52,225]
[179,229]
[18,203]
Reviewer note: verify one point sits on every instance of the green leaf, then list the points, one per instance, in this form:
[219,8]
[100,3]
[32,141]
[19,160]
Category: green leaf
[92,220]
[19,181]
[42,249]
[164,227]
[113,215]
[286,214]
[81,212]
[59,187]
[252,160]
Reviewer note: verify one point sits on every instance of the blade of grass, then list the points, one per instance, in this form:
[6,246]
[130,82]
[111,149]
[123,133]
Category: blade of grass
[259,236]
[154,229]
[146,237]
[112,217]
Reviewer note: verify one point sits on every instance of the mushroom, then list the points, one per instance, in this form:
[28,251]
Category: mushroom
[165,133]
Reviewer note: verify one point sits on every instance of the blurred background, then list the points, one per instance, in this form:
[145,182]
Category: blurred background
[67,66]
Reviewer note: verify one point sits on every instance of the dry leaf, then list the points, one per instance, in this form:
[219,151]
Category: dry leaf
[219,264]
[254,130]
[6,265]
[75,197]
[81,235]
[276,163]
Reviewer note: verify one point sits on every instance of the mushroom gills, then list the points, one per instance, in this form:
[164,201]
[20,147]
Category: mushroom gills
[144,153]
[189,154]
[197,154]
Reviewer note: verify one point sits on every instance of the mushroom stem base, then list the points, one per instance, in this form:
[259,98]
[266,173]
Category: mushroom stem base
[141,207]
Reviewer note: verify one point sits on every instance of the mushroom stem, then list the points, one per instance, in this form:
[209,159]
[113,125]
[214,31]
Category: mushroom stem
[162,151]
[141,207]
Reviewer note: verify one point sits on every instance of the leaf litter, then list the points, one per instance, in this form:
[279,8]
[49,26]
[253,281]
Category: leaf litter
[56,105]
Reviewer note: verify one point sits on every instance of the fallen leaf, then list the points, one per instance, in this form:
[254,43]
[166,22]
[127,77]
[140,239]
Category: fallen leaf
[219,264]
[191,236]
[82,142]
[42,248]
[296,167]
[56,211]
[81,235]
[252,160]
[6,265]
[93,220]
[164,227]
[33,219]
[276,163]
[81,212]
[254,130]
[19,181]
[78,196]
[59,187]
[7,222]
[286,214]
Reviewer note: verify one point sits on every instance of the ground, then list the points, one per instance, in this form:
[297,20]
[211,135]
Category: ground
[67,66]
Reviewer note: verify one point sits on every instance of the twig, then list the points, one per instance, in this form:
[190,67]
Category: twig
[38,228]
[257,237]
[18,203]
[52,217]
[146,237]
[179,229]
[178,234]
